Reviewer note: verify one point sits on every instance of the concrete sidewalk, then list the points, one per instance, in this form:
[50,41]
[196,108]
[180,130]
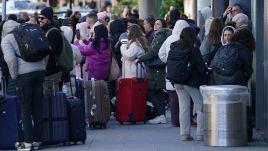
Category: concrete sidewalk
[145,137]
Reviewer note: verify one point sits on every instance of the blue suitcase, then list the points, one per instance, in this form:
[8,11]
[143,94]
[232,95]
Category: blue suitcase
[77,124]
[10,123]
[55,118]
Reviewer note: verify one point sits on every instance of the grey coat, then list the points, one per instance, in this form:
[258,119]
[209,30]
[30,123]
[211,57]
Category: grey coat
[10,48]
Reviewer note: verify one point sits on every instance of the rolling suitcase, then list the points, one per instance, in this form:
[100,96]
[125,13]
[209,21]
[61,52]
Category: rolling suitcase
[131,99]
[55,118]
[77,125]
[98,103]
[10,123]
[76,116]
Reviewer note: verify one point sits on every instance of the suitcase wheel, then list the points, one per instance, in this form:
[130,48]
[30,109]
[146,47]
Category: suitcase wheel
[121,123]
[134,123]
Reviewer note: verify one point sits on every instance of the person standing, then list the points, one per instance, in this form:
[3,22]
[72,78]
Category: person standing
[189,88]
[156,75]
[30,78]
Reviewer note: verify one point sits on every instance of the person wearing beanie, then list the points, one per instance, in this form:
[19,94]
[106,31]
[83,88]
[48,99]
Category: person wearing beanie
[53,33]
[148,25]
[241,20]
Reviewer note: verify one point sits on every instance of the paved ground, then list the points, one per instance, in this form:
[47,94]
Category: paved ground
[145,137]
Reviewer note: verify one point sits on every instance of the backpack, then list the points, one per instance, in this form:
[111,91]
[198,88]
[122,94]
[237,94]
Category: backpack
[224,62]
[65,59]
[179,65]
[32,42]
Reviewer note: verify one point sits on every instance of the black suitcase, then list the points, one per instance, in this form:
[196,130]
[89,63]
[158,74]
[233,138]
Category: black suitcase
[55,118]
[77,124]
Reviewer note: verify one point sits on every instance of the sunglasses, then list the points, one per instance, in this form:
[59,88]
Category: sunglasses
[42,18]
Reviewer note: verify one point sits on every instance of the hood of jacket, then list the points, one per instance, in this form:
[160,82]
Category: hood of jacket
[206,13]
[179,26]
[8,27]
[68,32]
[222,35]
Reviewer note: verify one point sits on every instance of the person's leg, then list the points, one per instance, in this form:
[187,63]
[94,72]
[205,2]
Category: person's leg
[158,100]
[174,107]
[38,104]
[198,103]
[24,94]
[184,107]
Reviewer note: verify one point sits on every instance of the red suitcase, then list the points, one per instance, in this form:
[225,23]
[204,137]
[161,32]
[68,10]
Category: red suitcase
[131,99]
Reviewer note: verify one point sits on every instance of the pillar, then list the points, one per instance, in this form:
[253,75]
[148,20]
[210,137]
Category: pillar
[190,9]
[149,7]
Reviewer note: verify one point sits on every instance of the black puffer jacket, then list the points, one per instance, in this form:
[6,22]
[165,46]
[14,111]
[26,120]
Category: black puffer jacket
[240,70]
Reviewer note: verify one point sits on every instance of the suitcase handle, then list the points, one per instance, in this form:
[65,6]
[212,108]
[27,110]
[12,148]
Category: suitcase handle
[140,76]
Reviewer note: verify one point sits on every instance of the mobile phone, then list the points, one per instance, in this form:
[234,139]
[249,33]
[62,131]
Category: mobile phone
[77,33]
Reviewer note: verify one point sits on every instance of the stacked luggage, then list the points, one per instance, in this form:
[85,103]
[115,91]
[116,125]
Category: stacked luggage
[63,118]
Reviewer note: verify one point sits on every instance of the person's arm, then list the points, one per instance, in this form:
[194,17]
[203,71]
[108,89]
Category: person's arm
[131,52]
[7,46]
[153,49]
[55,40]
[86,50]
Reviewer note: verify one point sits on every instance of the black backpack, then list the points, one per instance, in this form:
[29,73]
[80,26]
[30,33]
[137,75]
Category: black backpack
[224,62]
[32,42]
[179,65]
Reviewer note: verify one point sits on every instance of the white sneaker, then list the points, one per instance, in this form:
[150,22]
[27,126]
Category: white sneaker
[158,120]
[25,147]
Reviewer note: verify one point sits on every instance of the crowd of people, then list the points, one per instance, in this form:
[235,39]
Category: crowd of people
[220,52]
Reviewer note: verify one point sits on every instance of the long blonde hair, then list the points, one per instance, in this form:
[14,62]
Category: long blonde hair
[136,34]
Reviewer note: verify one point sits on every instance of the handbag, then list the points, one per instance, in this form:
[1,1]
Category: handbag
[114,70]
[156,63]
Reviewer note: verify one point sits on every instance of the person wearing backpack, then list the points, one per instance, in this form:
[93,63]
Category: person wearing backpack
[30,78]
[232,64]
[60,61]
[186,69]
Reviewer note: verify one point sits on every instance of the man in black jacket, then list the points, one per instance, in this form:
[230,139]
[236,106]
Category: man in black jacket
[54,38]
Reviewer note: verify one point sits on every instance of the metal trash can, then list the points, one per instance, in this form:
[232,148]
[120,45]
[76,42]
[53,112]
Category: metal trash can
[225,115]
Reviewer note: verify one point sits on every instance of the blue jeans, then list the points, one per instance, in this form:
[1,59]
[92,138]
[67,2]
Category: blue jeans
[30,95]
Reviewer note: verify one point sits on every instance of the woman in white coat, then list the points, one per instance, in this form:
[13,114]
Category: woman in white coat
[132,48]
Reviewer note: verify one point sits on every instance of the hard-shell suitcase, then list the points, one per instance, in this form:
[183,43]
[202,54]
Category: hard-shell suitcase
[76,115]
[131,100]
[131,97]
[55,118]
[77,125]
[98,103]
[10,123]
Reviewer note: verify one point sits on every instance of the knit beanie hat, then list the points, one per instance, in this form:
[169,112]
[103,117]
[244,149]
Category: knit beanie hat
[47,12]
